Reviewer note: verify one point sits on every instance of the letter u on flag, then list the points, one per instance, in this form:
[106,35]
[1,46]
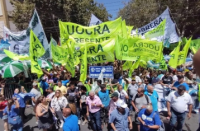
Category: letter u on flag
[36,50]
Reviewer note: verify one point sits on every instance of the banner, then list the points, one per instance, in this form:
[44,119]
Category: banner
[4,45]
[20,41]
[94,20]
[170,30]
[59,54]
[156,32]
[16,56]
[174,55]
[183,53]
[94,34]
[95,71]
[127,65]
[36,50]
[83,61]
[195,45]
[134,66]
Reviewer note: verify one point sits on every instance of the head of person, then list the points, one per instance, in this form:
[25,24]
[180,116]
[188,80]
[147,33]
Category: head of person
[121,106]
[155,75]
[140,92]
[133,74]
[166,74]
[50,89]
[133,81]
[58,93]
[59,83]
[180,79]
[22,89]
[16,91]
[181,90]
[119,87]
[72,86]
[10,103]
[146,81]
[149,109]
[83,89]
[91,95]
[189,75]
[103,87]
[150,88]
[43,78]
[35,85]
[42,100]
[179,73]
[114,96]
[99,82]
[66,112]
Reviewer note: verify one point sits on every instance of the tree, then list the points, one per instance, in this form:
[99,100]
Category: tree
[50,11]
[185,14]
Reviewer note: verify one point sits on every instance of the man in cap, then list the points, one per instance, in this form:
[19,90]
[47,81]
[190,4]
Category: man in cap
[44,85]
[132,91]
[120,119]
[113,101]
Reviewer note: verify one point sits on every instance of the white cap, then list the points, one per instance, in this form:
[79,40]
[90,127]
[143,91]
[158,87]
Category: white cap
[121,103]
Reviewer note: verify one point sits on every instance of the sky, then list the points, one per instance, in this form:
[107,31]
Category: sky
[113,6]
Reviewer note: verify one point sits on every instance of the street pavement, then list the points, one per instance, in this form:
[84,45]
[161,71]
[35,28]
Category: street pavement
[30,125]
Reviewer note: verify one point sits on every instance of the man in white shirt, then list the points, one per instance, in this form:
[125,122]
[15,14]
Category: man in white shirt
[122,93]
[177,103]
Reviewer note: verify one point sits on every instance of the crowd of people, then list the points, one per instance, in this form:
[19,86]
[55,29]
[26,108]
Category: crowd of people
[62,102]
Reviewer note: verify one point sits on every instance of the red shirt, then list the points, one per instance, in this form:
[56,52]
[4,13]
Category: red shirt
[3,104]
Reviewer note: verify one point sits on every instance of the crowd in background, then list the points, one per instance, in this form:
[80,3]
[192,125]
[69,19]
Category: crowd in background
[62,102]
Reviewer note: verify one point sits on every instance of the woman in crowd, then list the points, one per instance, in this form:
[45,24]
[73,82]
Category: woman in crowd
[44,113]
[58,103]
[12,111]
[3,104]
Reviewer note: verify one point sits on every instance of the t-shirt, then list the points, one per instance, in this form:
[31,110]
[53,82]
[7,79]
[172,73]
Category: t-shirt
[175,78]
[132,89]
[177,84]
[141,101]
[122,95]
[20,100]
[167,80]
[179,103]
[3,104]
[64,82]
[71,123]
[154,99]
[13,111]
[44,85]
[63,89]
[37,94]
[104,96]
[149,119]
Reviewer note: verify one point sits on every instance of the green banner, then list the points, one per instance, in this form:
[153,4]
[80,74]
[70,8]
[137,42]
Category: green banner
[83,61]
[195,45]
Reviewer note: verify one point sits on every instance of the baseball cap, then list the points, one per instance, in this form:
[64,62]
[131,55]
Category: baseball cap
[121,104]
[35,84]
[115,94]
[80,84]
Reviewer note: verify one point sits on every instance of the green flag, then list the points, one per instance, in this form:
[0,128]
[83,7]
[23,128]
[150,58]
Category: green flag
[83,61]
[36,50]
[173,62]
[195,45]
[127,65]
[134,66]
[184,52]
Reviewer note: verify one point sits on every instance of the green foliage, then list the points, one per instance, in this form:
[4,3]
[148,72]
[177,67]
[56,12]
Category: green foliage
[50,11]
[184,12]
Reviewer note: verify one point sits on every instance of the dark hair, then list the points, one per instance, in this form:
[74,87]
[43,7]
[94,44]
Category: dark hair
[39,100]
[10,103]
[83,88]
[51,88]
[71,84]
[60,81]
[182,87]
[103,86]
[180,77]
[99,81]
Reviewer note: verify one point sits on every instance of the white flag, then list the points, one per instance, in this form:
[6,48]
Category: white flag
[94,20]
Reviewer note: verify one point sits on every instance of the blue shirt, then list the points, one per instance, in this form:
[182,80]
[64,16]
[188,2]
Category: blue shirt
[13,111]
[104,96]
[177,84]
[120,121]
[149,119]
[64,82]
[154,99]
[71,123]
[44,85]
[20,100]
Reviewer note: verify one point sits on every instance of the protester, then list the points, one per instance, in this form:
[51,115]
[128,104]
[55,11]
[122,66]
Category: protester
[105,99]
[36,93]
[119,118]
[12,111]
[22,104]
[4,117]
[180,82]
[122,93]
[71,121]
[149,119]
[153,95]
[113,101]
[132,91]
[62,88]
[94,105]
[44,113]
[139,102]
[167,79]
[177,102]
[83,105]
[44,85]
[58,103]
[51,93]
[22,90]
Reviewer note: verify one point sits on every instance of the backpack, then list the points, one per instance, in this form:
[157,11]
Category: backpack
[162,126]
[147,99]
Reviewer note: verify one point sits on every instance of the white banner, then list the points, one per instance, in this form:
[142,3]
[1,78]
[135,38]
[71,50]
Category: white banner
[20,41]
[94,20]
[170,36]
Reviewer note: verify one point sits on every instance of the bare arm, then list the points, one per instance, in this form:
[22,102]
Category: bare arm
[190,108]
[133,104]
[154,127]
[168,106]
[113,126]
[16,104]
